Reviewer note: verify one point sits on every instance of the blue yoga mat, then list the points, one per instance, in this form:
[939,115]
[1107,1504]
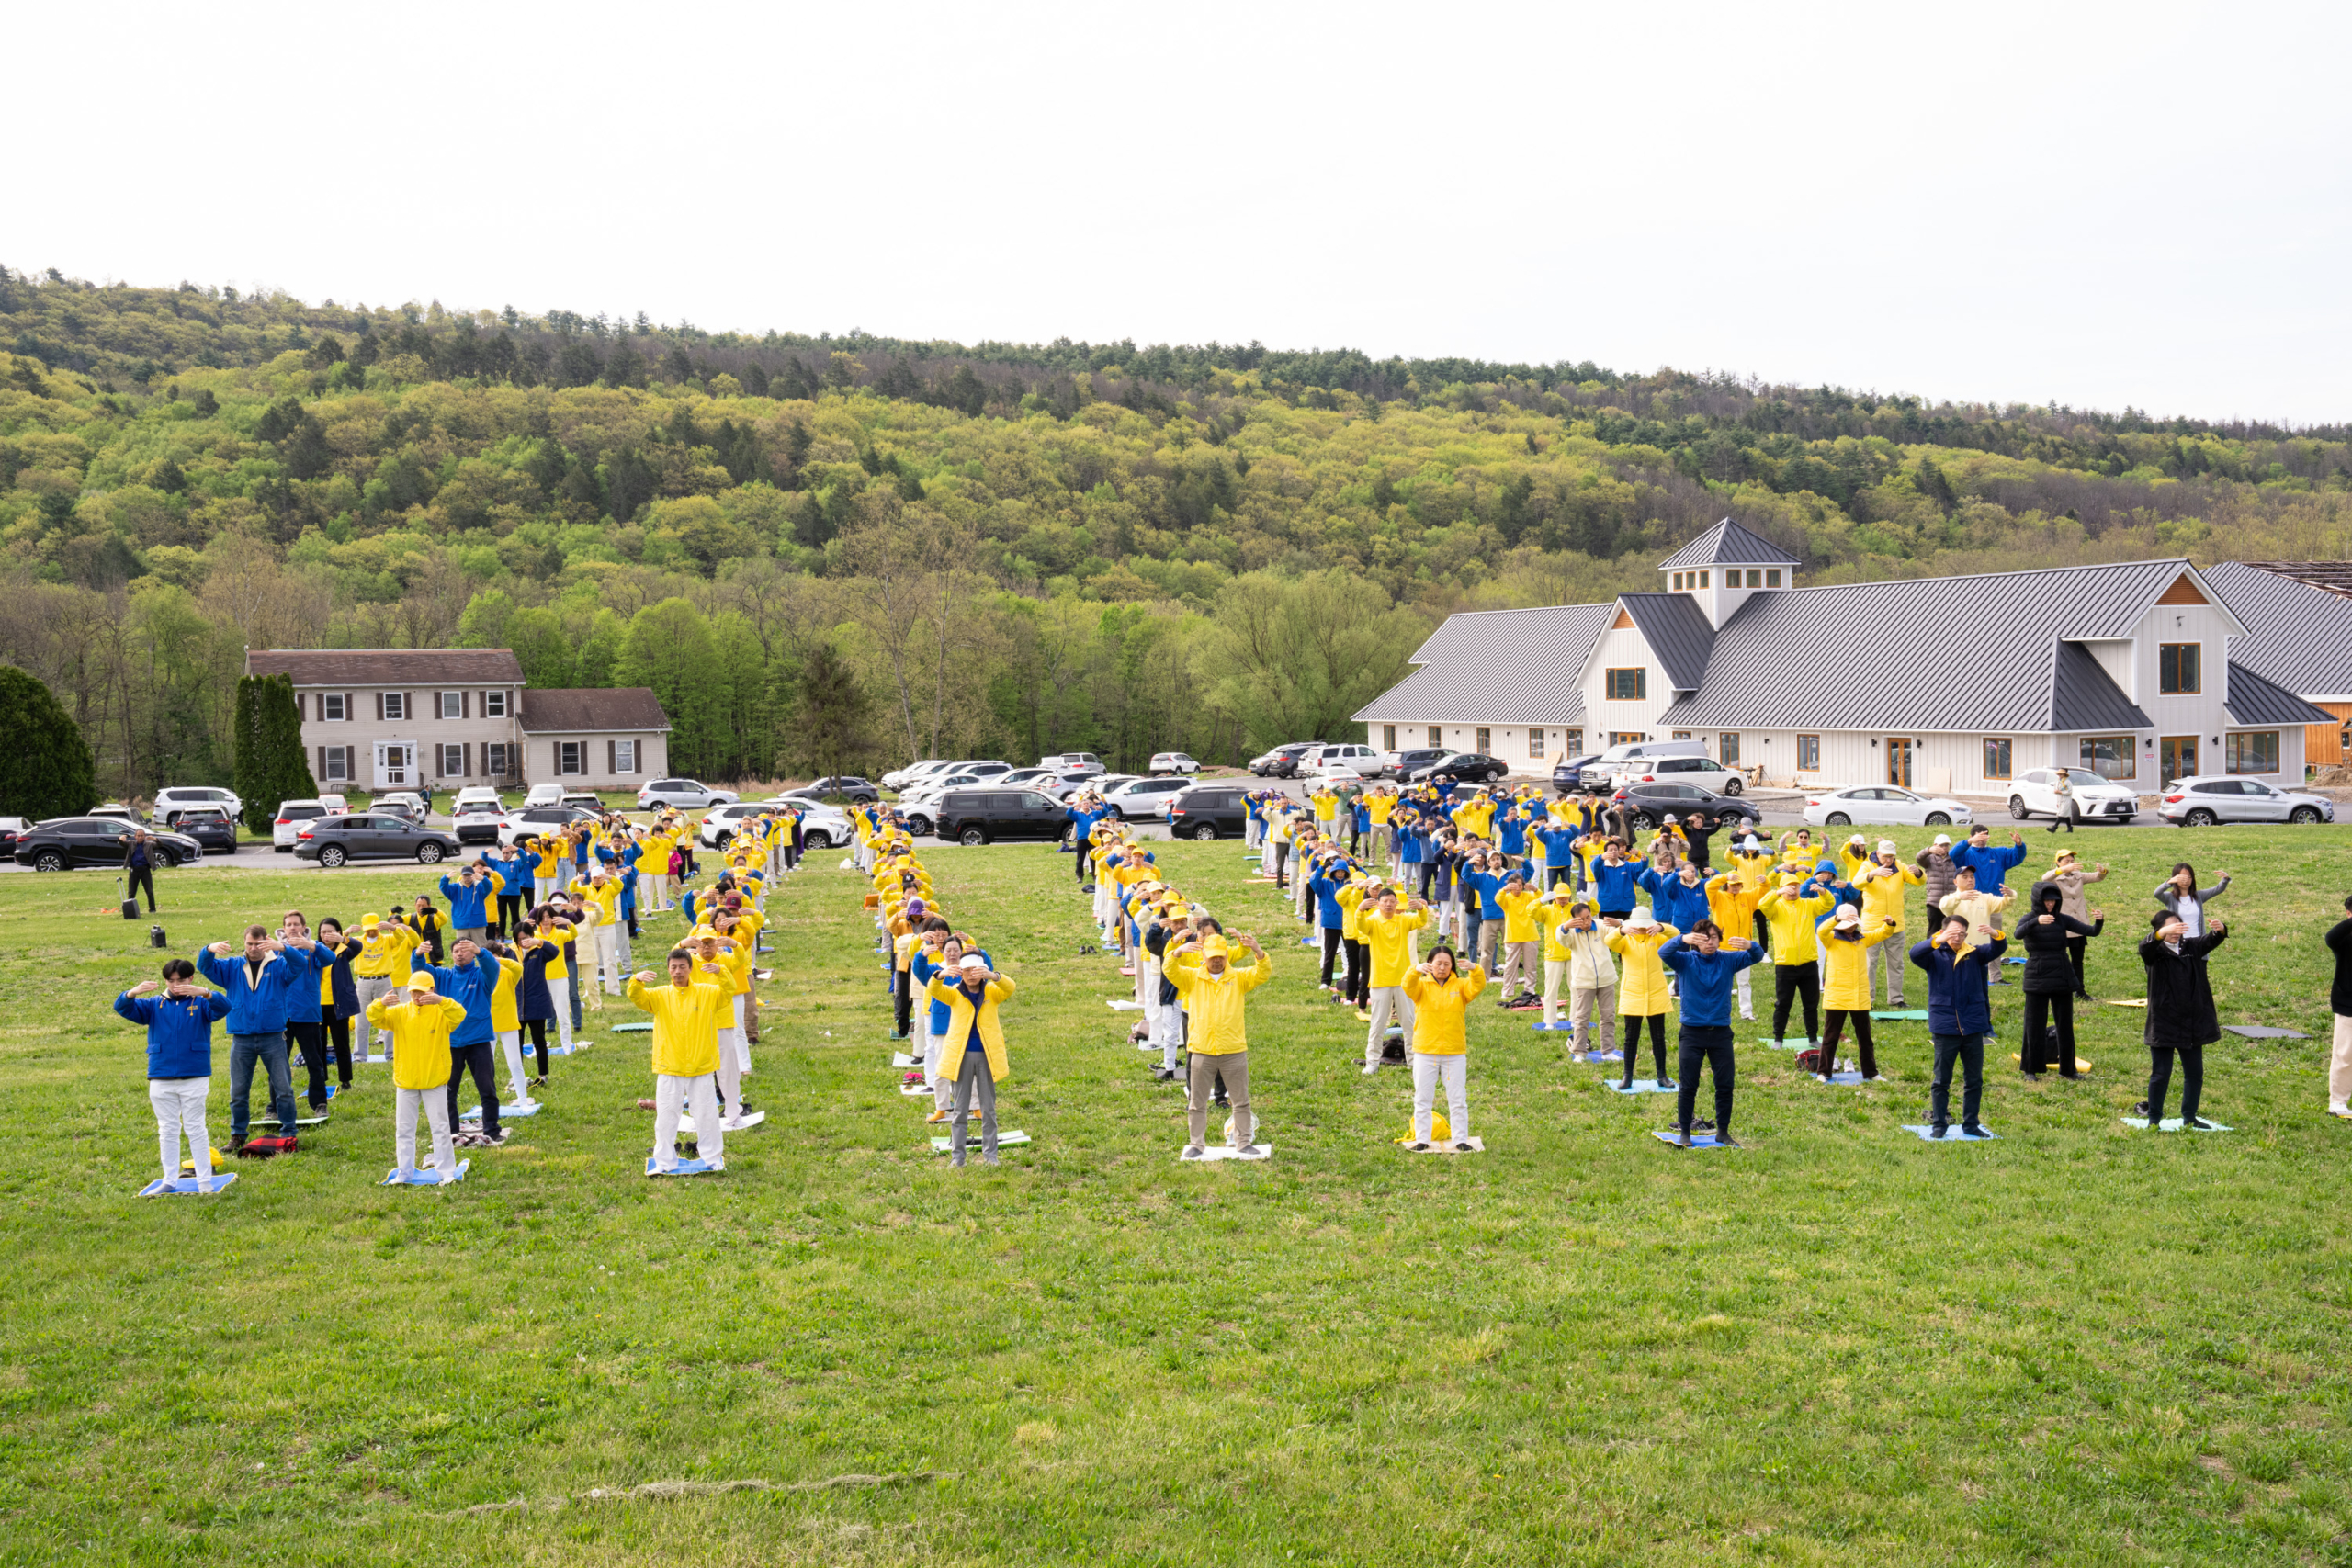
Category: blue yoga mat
[684,1167]
[1954,1136]
[505,1112]
[186,1186]
[1642,1085]
[1698,1140]
[427,1178]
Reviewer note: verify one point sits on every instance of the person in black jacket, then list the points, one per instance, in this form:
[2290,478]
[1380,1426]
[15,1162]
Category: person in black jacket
[2047,934]
[339,996]
[2181,1018]
[2339,1002]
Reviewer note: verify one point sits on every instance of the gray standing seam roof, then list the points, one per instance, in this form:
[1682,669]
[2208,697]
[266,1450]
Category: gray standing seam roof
[1678,632]
[1500,667]
[2085,699]
[2253,700]
[1728,544]
[1976,653]
[2298,637]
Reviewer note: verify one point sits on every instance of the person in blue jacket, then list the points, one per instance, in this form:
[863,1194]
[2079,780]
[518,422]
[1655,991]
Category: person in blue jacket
[515,880]
[469,894]
[1560,863]
[1988,862]
[1677,898]
[1959,1015]
[1615,880]
[1082,815]
[1330,879]
[179,1061]
[469,980]
[258,982]
[1704,963]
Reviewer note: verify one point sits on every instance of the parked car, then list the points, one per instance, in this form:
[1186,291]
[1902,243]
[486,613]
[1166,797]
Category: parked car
[822,827]
[1568,775]
[292,814]
[210,826]
[477,821]
[171,804]
[372,835]
[532,821]
[2202,801]
[984,815]
[1605,771]
[1465,767]
[686,794]
[2096,800]
[1034,778]
[1208,811]
[65,842]
[1062,785]
[588,800]
[1172,762]
[899,778]
[1282,761]
[1361,760]
[118,811]
[846,786]
[544,794]
[10,826]
[1143,799]
[1653,802]
[1073,762]
[717,829]
[1408,764]
[1886,804]
[1709,776]
[476,793]
[407,803]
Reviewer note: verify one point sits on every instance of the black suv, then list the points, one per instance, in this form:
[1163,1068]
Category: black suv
[1651,803]
[1569,776]
[984,815]
[1413,761]
[210,826]
[1208,811]
[63,841]
[1464,767]
[853,790]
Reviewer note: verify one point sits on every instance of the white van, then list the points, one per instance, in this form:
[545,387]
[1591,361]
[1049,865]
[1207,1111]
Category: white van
[1601,775]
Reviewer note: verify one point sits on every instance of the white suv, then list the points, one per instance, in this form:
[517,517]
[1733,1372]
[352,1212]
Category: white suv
[1164,762]
[1711,776]
[720,826]
[686,794]
[1361,760]
[170,803]
[291,815]
[2096,800]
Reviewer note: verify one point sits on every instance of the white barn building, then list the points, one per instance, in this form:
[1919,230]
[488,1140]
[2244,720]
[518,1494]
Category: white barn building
[1947,683]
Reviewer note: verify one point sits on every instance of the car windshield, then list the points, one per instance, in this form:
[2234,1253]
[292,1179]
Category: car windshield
[2085,776]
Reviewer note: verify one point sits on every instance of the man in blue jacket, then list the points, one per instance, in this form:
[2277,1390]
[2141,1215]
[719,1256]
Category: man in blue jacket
[1958,1017]
[1706,964]
[468,981]
[258,982]
[179,1061]
[470,893]
[1614,881]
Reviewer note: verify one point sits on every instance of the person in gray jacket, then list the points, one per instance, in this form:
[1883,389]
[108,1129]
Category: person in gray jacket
[2180,895]
[1936,862]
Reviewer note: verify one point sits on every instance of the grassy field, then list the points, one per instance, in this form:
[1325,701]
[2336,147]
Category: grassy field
[2080,1343]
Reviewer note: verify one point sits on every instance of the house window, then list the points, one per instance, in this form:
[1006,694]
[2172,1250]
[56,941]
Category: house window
[1997,757]
[2109,756]
[570,756]
[624,756]
[1727,746]
[2179,672]
[1573,744]
[493,759]
[1625,736]
[494,705]
[1627,685]
[1388,737]
[396,705]
[1703,578]
[1755,577]
[1808,753]
[2255,752]
[1437,737]
[1771,577]
[330,707]
[453,761]
[336,761]
[453,705]
[1535,743]
[1486,746]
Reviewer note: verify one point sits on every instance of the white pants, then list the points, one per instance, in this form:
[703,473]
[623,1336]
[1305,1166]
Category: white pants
[559,994]
[742,1033]
[510,1041]
[1456,1071]
[731,1070]
[608,959]
[1388,1001]
[371,987]
[1169,1032]
[179,1107]
[435,1103]
[1556,976]
[542,890]
[942,1091]
[699,1096]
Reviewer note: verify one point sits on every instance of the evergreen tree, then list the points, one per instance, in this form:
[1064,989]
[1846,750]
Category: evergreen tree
[270,765]
[836,714]
[47,769]
[755,380]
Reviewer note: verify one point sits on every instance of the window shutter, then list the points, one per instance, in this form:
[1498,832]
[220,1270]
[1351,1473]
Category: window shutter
[408,707]
[466,760]
[301,707]
[611,765]
[350,710]
[555,758]
[322,764]
[465,705]
[379,704]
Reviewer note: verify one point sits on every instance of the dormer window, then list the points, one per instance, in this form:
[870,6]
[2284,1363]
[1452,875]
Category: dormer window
[1703,579]
[1771,577]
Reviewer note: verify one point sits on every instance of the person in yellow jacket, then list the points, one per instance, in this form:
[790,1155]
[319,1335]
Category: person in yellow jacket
[1792,909]
[1853,854]
[1520,934]
[736,932]
[419,1029]
[506,1016]
[1379,805]
[1442,995]
[972,1051]
[550,854]
[1642,991]
[686,1015]
[1387,938]
[720,958]
[1212,993]
[1576,950]
[1882,880]
[1846,946]
[1350,899]
[382,967]
[601,893]
[1475,816]
[1732,898]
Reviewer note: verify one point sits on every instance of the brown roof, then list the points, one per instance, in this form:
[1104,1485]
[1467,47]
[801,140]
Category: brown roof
[592,708]
[389,666]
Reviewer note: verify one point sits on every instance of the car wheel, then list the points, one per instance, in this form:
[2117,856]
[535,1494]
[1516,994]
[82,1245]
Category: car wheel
[1837,819]
[167,859]
[2017,806]
[1644,822]
[919,825]
[49,860]
[1939,820]
[1203,831]
[817,839]
[1730,786]
[2201,818]
[723,841]
[2306,814]
[332,856]
[972,837]
[429,853]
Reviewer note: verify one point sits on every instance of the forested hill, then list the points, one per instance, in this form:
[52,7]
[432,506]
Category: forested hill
[1011,547]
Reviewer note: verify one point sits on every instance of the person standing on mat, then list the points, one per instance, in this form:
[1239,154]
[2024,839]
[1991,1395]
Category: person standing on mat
[1960,1014]
[1706,962]
[1846,947]
[257,981]
[306,1028]
[974,1057]
[1793,908]
[2339,1002]
[469,981]
[139,865]
[1576,951]
[686,1014]
[1642,993]
[2181,1016]
[419,1028]
[1387,933]
[338,997]
[1215,995]
[1442,995]
[2071,879]
[534,1005]
[2046,932]
[179,1061]
[1732,898]
[1882,881]
[506,1015]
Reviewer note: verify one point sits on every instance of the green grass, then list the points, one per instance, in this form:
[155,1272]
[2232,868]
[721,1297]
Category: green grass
[2078,1345]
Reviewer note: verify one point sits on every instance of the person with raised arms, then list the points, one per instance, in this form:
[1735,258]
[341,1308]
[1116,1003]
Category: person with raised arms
[2181,1017]
[470,980]
[1213,994]
[1442,995]
[1388,933]
[260,982]
[1642,991]
[1793,908]
[1577,950]
[2046,932]
[974,1057]
[179,1061]
[1704,961]
[686,1054]
[1959,1015]
[1847,940]
[419,1029]
[470,893]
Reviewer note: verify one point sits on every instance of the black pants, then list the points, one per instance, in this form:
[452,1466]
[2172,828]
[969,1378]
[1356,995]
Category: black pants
[477,1060]
[1331,952]
[1707,1045]
[1763,935]
[143,876]
[538,1030]
[510,914]
[2192,1080]
[2038,1051]
[311,1038]
[2076,947]
[1426,880]
[1359,989]
[1969,1051]
[902,999]
[1790,981]
[339,1033]
[1281,861]
[1084,864]
[1631,1026]
[1861,1016]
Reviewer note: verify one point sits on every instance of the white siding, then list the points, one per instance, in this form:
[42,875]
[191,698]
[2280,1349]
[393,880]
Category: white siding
[1624,648]
[2119,658]
[2203,714]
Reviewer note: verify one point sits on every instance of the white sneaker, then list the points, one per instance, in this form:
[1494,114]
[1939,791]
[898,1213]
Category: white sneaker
[1370,1068]
[2339,1108]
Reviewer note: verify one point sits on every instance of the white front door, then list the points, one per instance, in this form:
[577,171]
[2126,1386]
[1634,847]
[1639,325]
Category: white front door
[395,764]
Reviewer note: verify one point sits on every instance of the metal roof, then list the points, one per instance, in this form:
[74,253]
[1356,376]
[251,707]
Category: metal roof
[1678,632]
[2297,636]
[2253,700]
[2085,699]
[1505,666]
[1728,544]
[1925,655]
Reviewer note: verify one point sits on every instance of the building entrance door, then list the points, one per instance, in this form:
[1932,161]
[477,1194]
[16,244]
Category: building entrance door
[395,764]
[1898,762]
[2176,758]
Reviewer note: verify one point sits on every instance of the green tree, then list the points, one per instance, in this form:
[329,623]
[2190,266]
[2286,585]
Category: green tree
[833,720]
[270,765]
[47,769]
[669,649]
[542,648]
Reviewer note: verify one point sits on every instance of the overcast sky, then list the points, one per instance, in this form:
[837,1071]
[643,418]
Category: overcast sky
[2100,205]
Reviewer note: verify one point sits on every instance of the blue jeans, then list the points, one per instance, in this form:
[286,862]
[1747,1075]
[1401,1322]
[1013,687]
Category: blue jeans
[270,1051]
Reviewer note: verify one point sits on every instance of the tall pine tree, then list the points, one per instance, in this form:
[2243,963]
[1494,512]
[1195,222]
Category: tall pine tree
[271,764]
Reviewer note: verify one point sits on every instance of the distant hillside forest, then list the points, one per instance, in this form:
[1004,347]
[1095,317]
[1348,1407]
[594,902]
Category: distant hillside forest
[862,549]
